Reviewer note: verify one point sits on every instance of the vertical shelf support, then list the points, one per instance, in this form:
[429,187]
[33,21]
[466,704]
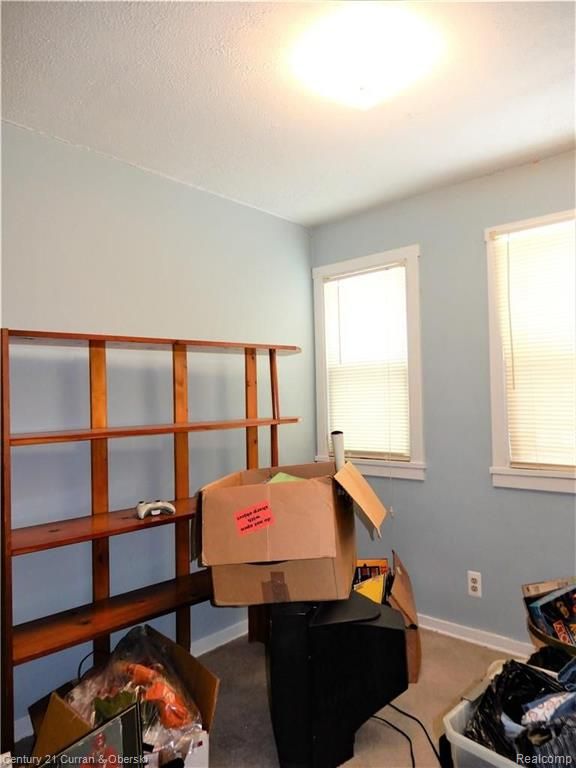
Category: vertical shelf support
[251,391]
[275,408]
[7,679]
[99,473]
[181,483]
[256,616]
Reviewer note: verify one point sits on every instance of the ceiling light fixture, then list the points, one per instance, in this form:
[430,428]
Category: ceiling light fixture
[365,53]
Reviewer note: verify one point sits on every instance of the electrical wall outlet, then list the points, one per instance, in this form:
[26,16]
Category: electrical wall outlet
[474,583]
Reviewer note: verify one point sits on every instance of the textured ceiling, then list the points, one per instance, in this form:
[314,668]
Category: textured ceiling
[201,92]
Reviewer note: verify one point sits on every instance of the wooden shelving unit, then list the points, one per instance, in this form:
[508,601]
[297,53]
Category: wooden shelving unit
[35,538]
[75,435]
[62,630]
[106,614]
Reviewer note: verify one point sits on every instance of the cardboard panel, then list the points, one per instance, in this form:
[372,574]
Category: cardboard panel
[345,564]
[223,482]
[37,710]
[290,581]
[60,727]
[307,471]
[357,486]
[413,654]
[202,685]
[288,521]
[402,596]
[261,475]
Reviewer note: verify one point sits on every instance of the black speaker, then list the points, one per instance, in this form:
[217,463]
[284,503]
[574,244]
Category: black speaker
[331,667]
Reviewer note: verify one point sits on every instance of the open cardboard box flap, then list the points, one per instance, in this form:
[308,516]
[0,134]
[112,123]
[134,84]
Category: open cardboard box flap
[60,728]
[200,683]
[358,488]
[247,520]
[402,596]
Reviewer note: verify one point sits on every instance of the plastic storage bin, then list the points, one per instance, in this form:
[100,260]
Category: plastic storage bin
[465,752]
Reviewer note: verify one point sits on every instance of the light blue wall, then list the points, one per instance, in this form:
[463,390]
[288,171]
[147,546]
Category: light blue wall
[94,245]
[455,520]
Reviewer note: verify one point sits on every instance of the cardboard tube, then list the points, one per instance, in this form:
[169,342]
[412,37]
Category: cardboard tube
[338,446]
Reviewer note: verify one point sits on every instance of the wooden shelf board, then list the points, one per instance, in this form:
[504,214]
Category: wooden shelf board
[57,338]
[63,630]
[86,433]
[60,533]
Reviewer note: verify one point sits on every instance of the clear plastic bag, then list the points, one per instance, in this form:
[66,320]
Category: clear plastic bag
[140,670]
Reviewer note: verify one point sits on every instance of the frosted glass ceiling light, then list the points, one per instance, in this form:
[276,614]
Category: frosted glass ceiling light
[365,53]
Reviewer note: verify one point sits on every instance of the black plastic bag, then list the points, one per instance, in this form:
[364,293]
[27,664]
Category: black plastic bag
[516,685]
[550,658]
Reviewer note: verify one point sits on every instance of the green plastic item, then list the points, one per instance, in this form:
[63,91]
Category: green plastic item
[110,706]
[284,477]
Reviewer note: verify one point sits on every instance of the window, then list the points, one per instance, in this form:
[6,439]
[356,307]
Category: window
[368,361]
[532,288]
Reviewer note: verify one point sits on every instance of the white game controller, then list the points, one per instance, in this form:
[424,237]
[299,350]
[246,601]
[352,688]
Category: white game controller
[145,508]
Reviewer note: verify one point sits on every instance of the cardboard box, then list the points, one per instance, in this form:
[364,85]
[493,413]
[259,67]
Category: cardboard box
[284,542]
[535,591]
[402,598]
[61,726]
[37,711]
[118,739]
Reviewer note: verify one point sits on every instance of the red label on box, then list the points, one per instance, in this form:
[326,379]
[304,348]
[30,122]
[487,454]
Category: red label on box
[562,632]
[254,518]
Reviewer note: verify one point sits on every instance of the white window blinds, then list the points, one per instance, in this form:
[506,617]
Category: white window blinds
[367,362]
[536,305]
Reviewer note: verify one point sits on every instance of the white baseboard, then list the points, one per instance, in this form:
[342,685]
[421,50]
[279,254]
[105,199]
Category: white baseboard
[23,726]
[477,636]
[216,639]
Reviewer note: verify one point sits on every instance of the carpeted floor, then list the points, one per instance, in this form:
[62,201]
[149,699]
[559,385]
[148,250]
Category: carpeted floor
[242,733]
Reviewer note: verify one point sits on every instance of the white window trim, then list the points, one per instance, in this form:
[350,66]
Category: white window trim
[415,469]
[503,475]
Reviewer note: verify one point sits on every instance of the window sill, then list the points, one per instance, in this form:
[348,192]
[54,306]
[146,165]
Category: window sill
[534,479]
[405,470]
